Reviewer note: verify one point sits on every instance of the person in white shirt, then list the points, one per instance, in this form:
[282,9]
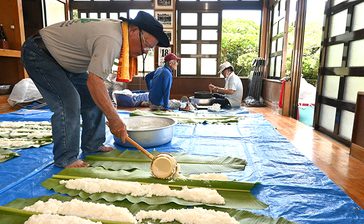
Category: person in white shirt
[230,96]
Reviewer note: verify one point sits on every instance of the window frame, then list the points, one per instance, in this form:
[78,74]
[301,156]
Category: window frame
[343,72]
[275,37]
[199,56]
[200,7]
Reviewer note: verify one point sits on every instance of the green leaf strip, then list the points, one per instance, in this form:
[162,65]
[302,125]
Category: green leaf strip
[103,158]
[233,199]
[8,210]
[100,158]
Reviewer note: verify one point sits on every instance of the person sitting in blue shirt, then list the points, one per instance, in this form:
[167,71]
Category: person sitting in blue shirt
[159,84]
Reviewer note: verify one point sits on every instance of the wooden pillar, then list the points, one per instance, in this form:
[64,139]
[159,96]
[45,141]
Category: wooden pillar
[357,140]
[296,68]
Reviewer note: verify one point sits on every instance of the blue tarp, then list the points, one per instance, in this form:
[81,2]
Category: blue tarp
[290,183]
[31,161]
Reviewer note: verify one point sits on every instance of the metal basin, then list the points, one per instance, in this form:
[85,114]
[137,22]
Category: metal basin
[202,95]
[148,131]
[198,101]
[5,89]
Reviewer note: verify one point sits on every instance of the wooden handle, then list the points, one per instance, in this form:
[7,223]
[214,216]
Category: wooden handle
[140,148]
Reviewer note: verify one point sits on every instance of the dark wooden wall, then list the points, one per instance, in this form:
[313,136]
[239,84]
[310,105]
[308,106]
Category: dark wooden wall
[32,12]
[271,90]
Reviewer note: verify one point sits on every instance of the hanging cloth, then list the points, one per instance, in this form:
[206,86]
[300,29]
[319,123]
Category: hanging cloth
[127,66]
[281,94]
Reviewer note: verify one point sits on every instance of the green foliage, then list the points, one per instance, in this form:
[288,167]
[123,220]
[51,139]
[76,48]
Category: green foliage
[310,65]
[311,52]
[240,42]
[239,45]
[74,14]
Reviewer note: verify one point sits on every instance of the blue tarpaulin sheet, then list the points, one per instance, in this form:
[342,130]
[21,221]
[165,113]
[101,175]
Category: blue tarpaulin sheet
[290,183]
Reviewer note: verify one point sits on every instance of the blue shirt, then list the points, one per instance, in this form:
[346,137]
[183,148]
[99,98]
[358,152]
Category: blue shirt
[159,84]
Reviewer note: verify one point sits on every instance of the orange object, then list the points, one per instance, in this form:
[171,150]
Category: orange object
[127,66]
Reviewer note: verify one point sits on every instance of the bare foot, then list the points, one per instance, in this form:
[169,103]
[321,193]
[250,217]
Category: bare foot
[78,164]
[144,104]
[104,148]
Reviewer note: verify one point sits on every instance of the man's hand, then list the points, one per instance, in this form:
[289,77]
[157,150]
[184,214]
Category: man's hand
[118,129]
[211,88]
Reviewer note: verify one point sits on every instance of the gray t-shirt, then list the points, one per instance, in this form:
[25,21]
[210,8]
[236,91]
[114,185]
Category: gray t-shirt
[233,82]
[84,45]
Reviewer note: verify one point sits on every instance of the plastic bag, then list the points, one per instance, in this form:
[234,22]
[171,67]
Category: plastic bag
[24,92]
[307,93]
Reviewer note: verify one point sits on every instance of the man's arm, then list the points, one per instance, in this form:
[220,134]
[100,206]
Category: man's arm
[224,91]
[101,97]
[216,89]
[167,85]
[148,79]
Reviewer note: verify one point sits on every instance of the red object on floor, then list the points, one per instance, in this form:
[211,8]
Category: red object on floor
[281,94]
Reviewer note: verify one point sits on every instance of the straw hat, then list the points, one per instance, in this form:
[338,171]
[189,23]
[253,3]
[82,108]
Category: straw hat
[224,66]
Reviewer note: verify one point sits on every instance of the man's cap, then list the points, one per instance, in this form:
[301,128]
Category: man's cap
[224,66]
[147,22]
[170,57]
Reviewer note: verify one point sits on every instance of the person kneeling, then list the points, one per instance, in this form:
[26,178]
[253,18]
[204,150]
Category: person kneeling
[159,84]
[232,94]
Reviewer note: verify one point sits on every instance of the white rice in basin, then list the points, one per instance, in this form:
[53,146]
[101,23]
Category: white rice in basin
[95,185]
[83,209]
[57,219]
[188,216]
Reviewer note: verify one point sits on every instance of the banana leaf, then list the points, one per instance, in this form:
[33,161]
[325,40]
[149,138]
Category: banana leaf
[129,160]
[28,143]
[13,133]
[11,213]
[13,216]
[236,194]
[190,118]
[6,155]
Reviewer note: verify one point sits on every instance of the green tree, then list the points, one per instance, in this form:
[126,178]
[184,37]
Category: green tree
[311,51]
[75,14]
[239,45]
